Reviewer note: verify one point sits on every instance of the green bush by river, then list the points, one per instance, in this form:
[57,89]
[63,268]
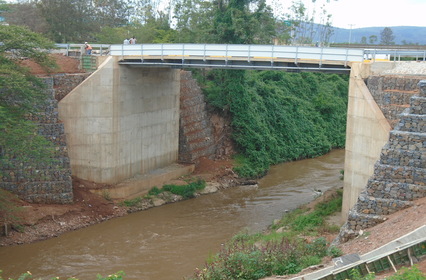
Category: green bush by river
[279,116]
[290,245]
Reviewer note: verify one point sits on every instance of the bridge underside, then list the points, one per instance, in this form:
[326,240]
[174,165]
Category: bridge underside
[290,65]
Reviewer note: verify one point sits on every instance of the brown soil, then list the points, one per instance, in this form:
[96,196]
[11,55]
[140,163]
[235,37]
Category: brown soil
[65,64]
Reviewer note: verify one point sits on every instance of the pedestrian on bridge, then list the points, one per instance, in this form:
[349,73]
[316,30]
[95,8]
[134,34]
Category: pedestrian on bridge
[133,40]
[88,48]
[126,41]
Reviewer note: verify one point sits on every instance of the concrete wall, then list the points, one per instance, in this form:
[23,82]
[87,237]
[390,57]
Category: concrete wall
[121,122]
[366,133]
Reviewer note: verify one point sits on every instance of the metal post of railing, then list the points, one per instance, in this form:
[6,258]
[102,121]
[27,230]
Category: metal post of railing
[296,55]
[183,54]
[162,52]
[204,52]
[248,55]
[320,60]
[346,57]
[272,56]
[226,55]
[141,52]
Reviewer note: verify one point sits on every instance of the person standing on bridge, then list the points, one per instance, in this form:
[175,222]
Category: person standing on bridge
[133,40]
[126,41]
[88,48]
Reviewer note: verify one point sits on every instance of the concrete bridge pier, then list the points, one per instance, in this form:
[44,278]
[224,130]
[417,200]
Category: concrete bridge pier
[121,122]
[367,131]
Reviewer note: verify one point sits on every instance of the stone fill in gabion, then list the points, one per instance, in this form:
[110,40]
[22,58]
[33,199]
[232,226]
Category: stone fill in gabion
[400,174]
[49,182]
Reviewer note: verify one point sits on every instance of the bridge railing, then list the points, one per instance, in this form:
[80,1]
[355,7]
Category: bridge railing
[395,54]
[246,52]
[78,49]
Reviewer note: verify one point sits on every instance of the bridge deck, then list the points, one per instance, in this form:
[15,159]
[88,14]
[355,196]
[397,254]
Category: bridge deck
[262,57]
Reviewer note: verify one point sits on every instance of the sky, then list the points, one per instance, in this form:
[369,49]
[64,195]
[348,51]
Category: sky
[375,13]
[363,13]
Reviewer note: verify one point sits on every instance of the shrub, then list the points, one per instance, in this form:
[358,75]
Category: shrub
[334,252]
[131,202]
[9,210]
[186,191]
[405,273]
[356,275]
[279,116]
[154,191]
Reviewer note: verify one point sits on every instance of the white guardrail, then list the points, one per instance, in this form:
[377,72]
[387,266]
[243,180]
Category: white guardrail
[248,53]
[230,52]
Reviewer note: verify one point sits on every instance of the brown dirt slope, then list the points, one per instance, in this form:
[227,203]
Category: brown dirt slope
[65,64]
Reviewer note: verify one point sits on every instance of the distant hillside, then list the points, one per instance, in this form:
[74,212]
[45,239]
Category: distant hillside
[409,34]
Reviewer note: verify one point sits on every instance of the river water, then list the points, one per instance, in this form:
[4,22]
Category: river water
[170,241]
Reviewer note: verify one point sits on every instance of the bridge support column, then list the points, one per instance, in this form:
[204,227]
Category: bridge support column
[122,121]
[367,131]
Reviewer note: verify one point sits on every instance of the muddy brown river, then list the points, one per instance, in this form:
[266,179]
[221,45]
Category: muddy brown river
[169,242]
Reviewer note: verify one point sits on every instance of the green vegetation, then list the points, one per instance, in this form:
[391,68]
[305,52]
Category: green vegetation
[9,211]
[279,116]
[356,275]
[22,96]
[280,251]
[21,99]
[411,273]
[116,276]
[185,191]
[131,202]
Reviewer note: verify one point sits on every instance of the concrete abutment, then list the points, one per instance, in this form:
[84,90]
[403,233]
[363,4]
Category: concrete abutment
[398,167]
[121,122]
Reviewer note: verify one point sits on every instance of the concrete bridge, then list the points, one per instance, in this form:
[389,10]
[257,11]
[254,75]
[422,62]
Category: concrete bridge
[123,120]
[254,57]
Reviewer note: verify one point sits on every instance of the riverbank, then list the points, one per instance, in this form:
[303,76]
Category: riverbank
[43,221]
[396,225]
[220,172]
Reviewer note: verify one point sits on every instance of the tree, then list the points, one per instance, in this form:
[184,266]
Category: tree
[387,37]
[21,96]
[193,20]
[364,40]
[304,29]
[225,21]
[69,20]
[111,13]
[26,14]
[372,39]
